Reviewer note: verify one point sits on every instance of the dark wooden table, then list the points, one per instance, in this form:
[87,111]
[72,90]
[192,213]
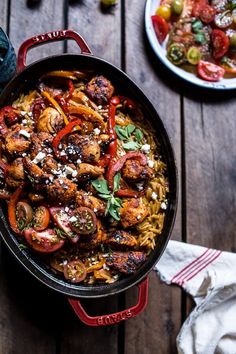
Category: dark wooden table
[202,127]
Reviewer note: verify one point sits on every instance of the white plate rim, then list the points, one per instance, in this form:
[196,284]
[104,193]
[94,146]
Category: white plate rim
[224,84]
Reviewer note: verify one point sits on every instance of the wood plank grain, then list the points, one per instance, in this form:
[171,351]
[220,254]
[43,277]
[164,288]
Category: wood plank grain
[3,14]
[102,33]
[211,171]
[29,314]
[157,327]
[26,22]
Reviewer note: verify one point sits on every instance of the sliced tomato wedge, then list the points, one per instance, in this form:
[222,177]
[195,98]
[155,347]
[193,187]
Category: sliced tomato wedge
[62,220]
[161,27]
[210,72]
[41,218]
[207,13]
[24,214]
[75,271]
[220,43]
[45,241]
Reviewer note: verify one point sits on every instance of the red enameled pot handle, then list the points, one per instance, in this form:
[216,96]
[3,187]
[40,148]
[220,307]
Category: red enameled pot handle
[47,37]
[117,317]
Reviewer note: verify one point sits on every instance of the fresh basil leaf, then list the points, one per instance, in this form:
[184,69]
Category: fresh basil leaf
[200,38]
[138,135]
[130,128]
[122,133]
[105,196]
[116,202]
[131,145]
[108,206]
[114,212]
[101,186]
[117,182]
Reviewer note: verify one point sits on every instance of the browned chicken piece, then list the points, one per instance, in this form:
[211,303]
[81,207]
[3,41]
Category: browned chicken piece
[16,174]
[36,197]
[89,201]
[121,239]
[40,142]
[87,171]
[62,191]
[50,121]
[35,174]
[126,262]
[95,240]
[99,89]
[132,212]
[133,171]
[17,140]
[49,164]
[84,148]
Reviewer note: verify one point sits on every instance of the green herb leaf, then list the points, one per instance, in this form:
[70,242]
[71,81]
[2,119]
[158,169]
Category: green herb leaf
[105,196]
[101,186]
[108,206]
[114,212]
[22,246]
[200,38]
[131,145]
[117,182]
[60,233]
[138,135]
[121,132]
[197,25]
[116,202]
[130,128]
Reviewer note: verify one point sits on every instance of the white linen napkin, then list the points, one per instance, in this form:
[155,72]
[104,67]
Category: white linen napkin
[210,277]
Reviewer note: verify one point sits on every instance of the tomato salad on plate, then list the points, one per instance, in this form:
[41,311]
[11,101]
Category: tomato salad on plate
[83,176]
[199,36]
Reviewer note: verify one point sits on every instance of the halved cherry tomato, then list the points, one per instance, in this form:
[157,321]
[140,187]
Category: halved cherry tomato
[197,7]
[85,222]
[75,271]
[24,214]
[229,64]
[164,11]
[220,43]
[210,72]
[207,13]
[161,27]
[41,218]
[62,220]
[45,241]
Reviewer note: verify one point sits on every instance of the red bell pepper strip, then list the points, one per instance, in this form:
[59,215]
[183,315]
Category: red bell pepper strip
[117,165]
[71,89]
[127,193]
[62,133]
[12,209]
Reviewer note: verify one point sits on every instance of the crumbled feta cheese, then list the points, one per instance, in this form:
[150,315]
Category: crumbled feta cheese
[154,196]
[74,173]
[24,154]
[95,210]
[122,153]
[99,107]
[78,161]
[138,217]
[163,206]
[60,181]
[151,163]
[66,209]
[145,148]
[68,170]
[139,186]
[30,114]
[96,131]
[65,262]
[63,153]
[73,219]
[24,121]
[39,157]
[23,113]
[105,267]
[51,178]
[24,133]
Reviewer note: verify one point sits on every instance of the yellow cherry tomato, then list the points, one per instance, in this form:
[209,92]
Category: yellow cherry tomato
[164,11]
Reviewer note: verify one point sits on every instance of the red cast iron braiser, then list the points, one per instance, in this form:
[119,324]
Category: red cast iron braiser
[25,79]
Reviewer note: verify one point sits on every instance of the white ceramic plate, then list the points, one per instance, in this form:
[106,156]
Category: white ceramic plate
[224,84]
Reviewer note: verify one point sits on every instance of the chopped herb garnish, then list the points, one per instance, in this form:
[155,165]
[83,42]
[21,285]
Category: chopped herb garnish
[128,135]
[22,246]
[200,38]
[61,233]
[131,145]
[101,186]
[197,25]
